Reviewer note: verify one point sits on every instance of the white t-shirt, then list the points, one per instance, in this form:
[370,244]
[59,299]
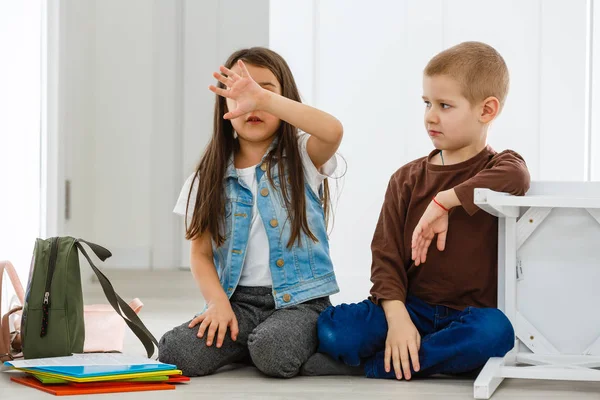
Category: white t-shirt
[256,271]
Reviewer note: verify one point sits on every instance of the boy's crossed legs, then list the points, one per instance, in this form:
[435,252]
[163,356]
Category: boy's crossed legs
[453,342]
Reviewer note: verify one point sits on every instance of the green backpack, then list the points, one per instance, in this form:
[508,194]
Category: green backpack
[52,324]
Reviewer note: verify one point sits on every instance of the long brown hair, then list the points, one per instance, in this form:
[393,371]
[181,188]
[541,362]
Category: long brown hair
[209,208]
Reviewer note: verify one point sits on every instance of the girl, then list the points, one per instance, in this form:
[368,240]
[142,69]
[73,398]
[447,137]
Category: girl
[256,217]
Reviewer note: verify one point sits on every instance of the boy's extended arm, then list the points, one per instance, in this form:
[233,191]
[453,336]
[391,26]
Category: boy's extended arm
[388,271]
[507,172]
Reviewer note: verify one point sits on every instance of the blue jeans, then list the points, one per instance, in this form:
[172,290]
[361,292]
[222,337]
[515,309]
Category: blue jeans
[452,342]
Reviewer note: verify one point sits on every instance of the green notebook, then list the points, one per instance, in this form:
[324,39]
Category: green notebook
[46,380]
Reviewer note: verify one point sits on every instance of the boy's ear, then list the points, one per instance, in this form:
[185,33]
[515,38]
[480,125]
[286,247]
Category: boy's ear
[490,110]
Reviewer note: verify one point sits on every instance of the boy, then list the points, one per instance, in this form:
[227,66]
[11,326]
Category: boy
[433,309]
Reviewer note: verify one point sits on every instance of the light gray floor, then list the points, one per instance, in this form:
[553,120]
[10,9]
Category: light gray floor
[171,297]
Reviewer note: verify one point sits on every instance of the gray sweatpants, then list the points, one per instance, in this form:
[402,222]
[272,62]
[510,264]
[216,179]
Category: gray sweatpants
[277,342]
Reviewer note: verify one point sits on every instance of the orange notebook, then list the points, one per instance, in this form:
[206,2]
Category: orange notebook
[67,390]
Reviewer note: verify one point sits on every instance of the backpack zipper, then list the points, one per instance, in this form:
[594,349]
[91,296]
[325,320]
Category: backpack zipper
[50,272]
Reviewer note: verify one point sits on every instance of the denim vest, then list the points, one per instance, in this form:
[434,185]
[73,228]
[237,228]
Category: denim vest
[299,273]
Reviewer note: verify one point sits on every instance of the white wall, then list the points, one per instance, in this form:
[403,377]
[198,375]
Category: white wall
[365,67]
[137,114]
[123,98]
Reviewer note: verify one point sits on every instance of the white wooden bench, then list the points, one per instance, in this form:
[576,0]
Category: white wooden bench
[548,282]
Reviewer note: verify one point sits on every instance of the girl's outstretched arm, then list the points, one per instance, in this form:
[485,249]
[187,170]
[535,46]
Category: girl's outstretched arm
[325,130]
[219,316]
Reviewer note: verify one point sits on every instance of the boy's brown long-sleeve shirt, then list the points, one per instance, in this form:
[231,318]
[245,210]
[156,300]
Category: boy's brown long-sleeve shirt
[465,273]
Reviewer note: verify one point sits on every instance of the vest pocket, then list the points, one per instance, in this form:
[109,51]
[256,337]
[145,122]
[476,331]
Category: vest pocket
[304,259]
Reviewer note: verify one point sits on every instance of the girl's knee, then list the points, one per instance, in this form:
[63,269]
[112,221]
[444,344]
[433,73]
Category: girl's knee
[170,349]
[273,359]
[175,347]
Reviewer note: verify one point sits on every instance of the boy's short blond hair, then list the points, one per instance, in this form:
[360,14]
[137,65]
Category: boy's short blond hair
[478,67]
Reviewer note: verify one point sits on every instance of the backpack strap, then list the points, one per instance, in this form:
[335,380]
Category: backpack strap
[101,252]
[119,305]
[5,342]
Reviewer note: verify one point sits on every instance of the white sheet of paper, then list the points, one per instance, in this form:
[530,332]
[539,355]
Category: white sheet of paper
[85,359]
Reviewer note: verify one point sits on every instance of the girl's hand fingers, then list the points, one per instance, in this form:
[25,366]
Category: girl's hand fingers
[196,320]
[234,329]
[221,336]
[233,114]
[245,72]
[223,79]
[229,73]
[211,333]
[205,324]
[219,91]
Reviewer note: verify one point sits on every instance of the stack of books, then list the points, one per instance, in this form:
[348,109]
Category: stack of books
[95,373]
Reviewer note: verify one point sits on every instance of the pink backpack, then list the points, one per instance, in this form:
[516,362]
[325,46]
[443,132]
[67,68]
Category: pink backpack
[10,342]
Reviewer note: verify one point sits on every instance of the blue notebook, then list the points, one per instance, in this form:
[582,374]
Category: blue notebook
[89,371]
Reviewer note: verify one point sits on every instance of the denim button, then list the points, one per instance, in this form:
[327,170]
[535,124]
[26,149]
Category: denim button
[280,263]
[263,166]
[274,223]
[264,192]
[287,298]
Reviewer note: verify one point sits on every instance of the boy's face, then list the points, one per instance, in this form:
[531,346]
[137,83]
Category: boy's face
[451,121]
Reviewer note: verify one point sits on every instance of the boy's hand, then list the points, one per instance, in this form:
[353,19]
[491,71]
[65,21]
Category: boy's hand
[217,318]
[242,89]
[402,344]
[433,222]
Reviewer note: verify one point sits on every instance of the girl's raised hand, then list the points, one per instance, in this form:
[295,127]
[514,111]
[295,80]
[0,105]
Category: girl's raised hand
[242,89]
